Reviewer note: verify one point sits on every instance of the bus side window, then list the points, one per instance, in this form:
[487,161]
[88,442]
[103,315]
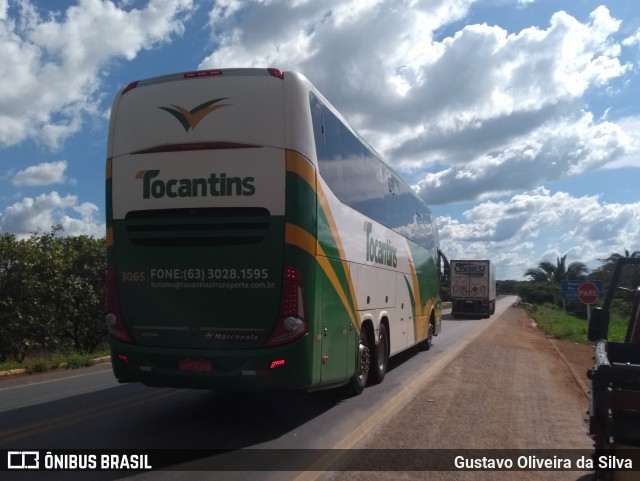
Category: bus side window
[328,146]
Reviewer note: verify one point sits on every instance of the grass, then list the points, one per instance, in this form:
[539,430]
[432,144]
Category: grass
[554,322]
[45,363]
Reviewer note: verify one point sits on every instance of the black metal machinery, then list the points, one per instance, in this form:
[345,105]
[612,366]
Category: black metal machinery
[614,403]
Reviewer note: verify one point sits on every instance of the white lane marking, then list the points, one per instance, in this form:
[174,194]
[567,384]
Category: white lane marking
[30,384]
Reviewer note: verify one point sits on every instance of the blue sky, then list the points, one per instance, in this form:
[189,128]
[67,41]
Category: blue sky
[517,120]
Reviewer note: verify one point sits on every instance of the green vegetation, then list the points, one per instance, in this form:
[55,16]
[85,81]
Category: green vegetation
[44,363]
[558,324]
[568,319]
[51,297]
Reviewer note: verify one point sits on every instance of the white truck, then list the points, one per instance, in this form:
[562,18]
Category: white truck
[473,288]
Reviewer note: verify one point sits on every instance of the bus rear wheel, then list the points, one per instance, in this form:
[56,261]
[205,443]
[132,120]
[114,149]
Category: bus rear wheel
[381,356]
[360,377]
[427,343]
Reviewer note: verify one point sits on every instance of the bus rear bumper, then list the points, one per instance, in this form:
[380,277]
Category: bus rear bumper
[283,367]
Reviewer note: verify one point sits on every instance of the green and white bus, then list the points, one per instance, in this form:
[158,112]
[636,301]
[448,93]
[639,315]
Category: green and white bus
[256,241]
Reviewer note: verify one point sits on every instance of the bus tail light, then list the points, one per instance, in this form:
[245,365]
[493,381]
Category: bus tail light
[202,73]
[276,72]
[115,324]
[131,86]
[277,363]
[292,322]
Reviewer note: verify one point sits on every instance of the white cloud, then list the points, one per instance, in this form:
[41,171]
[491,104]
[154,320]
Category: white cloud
[42,174]
[520,120]
[44,211]
[86,224]
[559,147]
[339,50]
[50,67]
[632,40]
[502,111]
[508,231]
[632,157]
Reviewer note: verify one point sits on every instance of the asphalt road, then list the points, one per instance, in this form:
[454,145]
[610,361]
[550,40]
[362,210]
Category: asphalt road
[88,409]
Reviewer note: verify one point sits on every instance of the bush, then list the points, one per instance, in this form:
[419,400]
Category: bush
[51,294]
[76,361]
[539,292]
[38,366]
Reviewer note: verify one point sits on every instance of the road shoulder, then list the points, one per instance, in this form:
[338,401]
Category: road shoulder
[510,388]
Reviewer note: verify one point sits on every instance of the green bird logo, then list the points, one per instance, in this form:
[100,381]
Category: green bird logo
[191,118]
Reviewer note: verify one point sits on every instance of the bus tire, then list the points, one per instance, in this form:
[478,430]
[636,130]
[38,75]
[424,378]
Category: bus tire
[360,377]
[380,359]
[426,344]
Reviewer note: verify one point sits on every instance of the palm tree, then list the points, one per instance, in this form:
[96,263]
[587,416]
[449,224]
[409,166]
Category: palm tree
[546,271]
[630,276]
[613,258]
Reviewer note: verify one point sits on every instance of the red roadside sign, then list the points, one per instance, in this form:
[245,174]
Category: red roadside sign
[588,292]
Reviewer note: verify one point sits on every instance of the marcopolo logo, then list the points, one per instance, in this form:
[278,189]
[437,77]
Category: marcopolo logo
[379,251]
[216,185]
[189,119]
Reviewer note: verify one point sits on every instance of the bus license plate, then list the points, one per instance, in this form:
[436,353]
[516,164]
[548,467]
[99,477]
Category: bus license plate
[195,365]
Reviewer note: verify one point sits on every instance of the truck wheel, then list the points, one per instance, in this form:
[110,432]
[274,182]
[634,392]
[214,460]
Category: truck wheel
[381,356]
[360,377]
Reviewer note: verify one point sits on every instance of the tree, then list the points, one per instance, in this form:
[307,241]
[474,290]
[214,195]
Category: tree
[81,313]
[546,271]
[51,293]
[28,283]
[630,278]
[13,266]
[539,292]
[613,258]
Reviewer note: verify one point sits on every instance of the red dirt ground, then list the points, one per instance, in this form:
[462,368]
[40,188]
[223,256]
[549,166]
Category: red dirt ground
[511,388]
